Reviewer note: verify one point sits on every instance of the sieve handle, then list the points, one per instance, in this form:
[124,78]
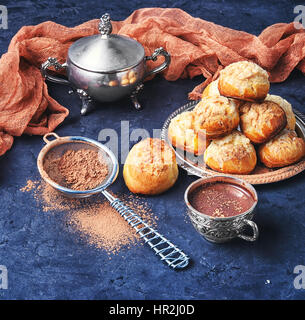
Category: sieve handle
[167,251]
[50,134]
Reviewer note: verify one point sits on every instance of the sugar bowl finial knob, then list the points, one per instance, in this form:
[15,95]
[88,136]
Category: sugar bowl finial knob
[105,26]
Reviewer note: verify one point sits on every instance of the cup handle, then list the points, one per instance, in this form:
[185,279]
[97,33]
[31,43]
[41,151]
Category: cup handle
[254,227]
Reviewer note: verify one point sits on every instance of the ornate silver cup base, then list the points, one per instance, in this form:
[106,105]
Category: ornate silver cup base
[88,102]
[215,232]
[217,235]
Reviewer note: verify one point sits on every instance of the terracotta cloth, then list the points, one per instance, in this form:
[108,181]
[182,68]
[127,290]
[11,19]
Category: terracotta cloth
[196,47]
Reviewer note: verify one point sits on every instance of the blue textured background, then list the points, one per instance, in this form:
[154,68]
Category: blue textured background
[45,261]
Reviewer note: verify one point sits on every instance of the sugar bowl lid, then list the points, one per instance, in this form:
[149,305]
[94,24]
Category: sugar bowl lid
[106,52]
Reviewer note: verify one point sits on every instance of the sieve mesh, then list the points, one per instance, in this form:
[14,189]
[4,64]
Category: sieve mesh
[53,155]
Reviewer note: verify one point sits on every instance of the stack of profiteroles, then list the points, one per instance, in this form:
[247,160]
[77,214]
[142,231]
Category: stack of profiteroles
[237,121]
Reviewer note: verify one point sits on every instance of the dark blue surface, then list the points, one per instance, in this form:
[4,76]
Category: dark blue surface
[46,261]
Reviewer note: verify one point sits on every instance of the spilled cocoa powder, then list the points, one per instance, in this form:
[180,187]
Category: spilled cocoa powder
[92,219]
[82,169]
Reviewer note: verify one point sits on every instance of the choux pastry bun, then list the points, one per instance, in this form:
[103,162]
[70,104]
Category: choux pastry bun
[212,90]
[150,167]
[286,106]
[244,80]
[233,153]
[216,115]
[261,121]
[182,134]
[284,149]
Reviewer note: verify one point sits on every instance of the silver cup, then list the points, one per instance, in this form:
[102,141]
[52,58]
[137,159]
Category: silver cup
[220,230]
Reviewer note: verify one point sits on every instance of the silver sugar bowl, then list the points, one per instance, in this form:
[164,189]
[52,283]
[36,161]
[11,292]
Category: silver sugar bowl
[105,67]
[217,229]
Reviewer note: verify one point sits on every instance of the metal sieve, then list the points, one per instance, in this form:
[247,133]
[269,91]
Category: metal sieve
[166,250]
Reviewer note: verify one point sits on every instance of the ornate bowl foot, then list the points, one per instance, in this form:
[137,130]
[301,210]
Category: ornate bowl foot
[87,104]
[134,96]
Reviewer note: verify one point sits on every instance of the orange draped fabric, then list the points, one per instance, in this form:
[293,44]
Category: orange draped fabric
[197,47]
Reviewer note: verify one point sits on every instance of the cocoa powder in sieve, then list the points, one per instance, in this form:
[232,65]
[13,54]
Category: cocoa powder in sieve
[92,219]
[82,169]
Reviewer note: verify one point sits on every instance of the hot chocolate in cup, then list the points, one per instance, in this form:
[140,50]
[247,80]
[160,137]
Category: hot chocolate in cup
[221,208]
